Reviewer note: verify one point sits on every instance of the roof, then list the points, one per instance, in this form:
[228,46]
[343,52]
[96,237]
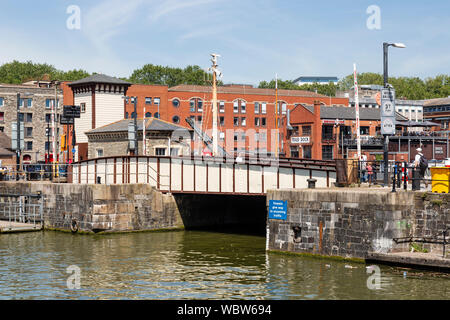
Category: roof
[100,78]
[437,102]
[246,90]
[348,113]
[316,79]
[152,124]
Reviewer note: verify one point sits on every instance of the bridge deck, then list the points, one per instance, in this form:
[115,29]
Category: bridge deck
[245,176]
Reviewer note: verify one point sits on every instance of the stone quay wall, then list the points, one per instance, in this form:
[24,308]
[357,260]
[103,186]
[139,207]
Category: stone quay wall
[351,223]
[102,208]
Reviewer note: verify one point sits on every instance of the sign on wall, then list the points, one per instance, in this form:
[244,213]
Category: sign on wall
[299,140]
[278,209]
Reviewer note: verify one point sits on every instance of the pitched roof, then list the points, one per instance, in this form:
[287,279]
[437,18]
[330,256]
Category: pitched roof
[437,102]
[100,78]
[349,113]
[152,124]
[246,90]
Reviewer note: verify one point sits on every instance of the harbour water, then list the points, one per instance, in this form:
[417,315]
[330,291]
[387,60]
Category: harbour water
[190,265]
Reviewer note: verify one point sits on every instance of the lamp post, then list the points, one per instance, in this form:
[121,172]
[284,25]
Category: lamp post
[386,46]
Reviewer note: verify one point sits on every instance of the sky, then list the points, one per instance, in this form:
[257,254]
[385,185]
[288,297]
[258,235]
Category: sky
[255,38]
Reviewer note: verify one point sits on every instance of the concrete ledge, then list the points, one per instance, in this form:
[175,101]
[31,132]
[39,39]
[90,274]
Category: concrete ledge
[416,260]
[316,256]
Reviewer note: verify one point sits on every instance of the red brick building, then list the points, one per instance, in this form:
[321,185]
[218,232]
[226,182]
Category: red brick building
[246,115]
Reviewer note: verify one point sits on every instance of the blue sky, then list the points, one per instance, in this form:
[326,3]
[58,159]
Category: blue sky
[256,38]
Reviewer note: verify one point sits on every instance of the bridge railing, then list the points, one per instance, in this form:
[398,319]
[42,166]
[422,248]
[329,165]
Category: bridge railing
[188,174]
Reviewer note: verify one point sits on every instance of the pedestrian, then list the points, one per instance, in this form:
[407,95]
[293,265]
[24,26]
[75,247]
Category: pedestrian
[363,166]
[421,164]
[370,173]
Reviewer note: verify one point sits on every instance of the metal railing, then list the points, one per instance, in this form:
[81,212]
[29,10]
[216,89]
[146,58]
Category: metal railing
[427,240]
[24,209]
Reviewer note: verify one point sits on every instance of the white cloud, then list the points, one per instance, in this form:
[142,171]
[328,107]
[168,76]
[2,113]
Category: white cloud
[172,6]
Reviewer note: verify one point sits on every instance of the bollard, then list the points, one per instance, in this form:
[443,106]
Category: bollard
[416,179]
[312,183]
[405,176]
[394,175]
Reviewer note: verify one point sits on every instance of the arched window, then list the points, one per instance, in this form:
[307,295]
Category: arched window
[196,105]
[239,106]
[126,115]
[156,115]
[176,119]
[148,115]
[176,103]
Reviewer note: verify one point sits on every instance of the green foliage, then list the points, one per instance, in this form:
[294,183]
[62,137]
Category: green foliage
[18,72]
[418,248]
[152,74]
[325,89]
[411,88]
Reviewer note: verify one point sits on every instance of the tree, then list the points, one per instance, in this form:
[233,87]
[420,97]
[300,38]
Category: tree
[325,89]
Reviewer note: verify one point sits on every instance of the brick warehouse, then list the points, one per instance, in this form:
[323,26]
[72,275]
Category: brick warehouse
[248,112]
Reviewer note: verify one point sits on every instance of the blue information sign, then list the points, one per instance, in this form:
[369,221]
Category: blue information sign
[278,209]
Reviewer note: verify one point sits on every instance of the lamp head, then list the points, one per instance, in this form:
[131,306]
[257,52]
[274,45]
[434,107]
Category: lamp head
[399,45]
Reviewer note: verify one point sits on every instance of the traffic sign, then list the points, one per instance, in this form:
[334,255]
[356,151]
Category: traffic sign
[278,209]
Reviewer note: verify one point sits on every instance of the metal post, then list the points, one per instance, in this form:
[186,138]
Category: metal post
[136,149]
[386,160]
[394,177]
[405,176]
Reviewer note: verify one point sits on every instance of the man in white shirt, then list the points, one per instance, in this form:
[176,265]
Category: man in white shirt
[422,170]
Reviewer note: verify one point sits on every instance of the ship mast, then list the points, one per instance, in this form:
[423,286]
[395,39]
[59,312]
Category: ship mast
[216,73]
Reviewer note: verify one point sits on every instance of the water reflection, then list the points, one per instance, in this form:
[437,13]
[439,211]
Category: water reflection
[188,265]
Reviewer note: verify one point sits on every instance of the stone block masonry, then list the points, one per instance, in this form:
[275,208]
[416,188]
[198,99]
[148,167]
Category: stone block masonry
[102,208]
[351,223]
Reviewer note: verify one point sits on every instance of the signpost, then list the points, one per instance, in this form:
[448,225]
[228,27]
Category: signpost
[68,118]
[388,112]
[278,209]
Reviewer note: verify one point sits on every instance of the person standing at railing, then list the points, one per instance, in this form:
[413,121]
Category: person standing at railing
[421,164]
[370,173]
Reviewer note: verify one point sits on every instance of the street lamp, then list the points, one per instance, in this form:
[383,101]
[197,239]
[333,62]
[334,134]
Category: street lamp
[386,46]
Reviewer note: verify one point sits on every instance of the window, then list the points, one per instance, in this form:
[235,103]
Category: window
[263,122]
[236,136]
[235,107]
[294,152]
[364,131]
[21,103]
[327,133]
[29,145]
[21,117]
[2,129]
[148,114]
[28,132]
[256,107]
[99,153]
[243,136]
[243,107]
[257,122]
[133,115]
[221,136]
[243,122]
[148,100]
[199,119]
[176,119]
[236,121]
[157,101]
[126,115]
[307,153]
[222,106]
[2,116]
[47,145]
[283,108]
[82,107]
[156,115]
[327,152]
[306,131]
[222,121]
[48,102]
[176,103]
[1,102]
[196,104]
[160,151]
[30,103]
[263,108]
